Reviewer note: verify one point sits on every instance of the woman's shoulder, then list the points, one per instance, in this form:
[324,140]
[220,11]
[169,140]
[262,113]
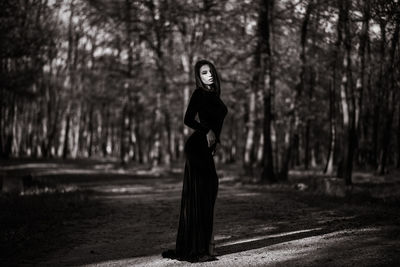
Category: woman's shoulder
[198,91]
[196,95]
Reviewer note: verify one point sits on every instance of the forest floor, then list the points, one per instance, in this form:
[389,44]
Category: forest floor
[93,213]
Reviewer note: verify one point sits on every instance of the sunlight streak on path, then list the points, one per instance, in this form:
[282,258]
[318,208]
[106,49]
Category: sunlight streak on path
[268,237]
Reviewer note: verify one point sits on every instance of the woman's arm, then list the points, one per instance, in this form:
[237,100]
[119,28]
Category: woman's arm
[191,111]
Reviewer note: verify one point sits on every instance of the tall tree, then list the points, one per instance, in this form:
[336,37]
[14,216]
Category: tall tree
[264,36]
[390,92]
[292,133]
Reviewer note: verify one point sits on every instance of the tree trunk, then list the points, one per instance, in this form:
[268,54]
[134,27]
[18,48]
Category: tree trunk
[2,124]
[90,145]
[267,83]
[124,141]
[380,85]
[307,145]
[390,105]
[332,123]
[260,149]
[385,142]
[75,133]
[15,134]
[361,80]
[303,75]
[156,151]
[347,97]
[65,151]
[186,61]
[139,141]
[53,113]
[398,136]
[70,81]
[167,129]
[251,118]
[287,154]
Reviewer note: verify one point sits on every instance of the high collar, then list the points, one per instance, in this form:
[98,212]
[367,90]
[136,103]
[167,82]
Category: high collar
[206,90]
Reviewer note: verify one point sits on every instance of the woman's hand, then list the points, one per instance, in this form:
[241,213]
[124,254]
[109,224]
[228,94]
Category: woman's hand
[210,138]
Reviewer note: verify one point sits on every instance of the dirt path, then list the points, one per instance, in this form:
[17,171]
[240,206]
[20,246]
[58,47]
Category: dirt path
[255,225]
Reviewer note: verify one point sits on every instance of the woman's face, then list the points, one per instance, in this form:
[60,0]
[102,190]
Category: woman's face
[206,75]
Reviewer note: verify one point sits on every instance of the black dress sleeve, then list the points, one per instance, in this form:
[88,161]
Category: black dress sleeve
[190,114]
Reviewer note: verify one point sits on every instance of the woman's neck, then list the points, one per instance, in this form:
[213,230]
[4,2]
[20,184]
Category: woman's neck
[208,87]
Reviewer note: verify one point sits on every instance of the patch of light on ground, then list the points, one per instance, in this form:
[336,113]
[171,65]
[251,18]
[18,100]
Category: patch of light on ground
[103,166]
[123,189]
[267,236]
[80,171]
[30,166]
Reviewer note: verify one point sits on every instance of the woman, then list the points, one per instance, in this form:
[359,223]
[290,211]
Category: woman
[194,240]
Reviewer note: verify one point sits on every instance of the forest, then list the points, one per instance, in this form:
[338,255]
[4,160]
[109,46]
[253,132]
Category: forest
[93,95]
[308,84]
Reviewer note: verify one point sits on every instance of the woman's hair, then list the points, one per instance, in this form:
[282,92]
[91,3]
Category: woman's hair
[199,83]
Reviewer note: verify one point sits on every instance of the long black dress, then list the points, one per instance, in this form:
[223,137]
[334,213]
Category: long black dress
[200,181]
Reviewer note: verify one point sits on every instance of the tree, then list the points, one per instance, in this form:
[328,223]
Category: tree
[264,55]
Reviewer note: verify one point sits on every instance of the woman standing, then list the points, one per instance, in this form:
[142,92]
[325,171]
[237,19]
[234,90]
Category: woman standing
[194,240]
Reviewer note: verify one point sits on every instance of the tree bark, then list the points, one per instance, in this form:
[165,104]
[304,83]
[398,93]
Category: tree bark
[347,97]
[267,66]
[361,79]
[90,145]
[303,79]
[398,136]
[390,105]
[379,95]
[66,150]
[186,61]
[332,125]
[70,80]
[251,113]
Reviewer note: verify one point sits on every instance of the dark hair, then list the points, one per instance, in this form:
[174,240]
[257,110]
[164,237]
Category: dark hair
[199,83]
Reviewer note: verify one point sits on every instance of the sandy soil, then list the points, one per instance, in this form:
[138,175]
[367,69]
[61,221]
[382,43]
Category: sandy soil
[114,217]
